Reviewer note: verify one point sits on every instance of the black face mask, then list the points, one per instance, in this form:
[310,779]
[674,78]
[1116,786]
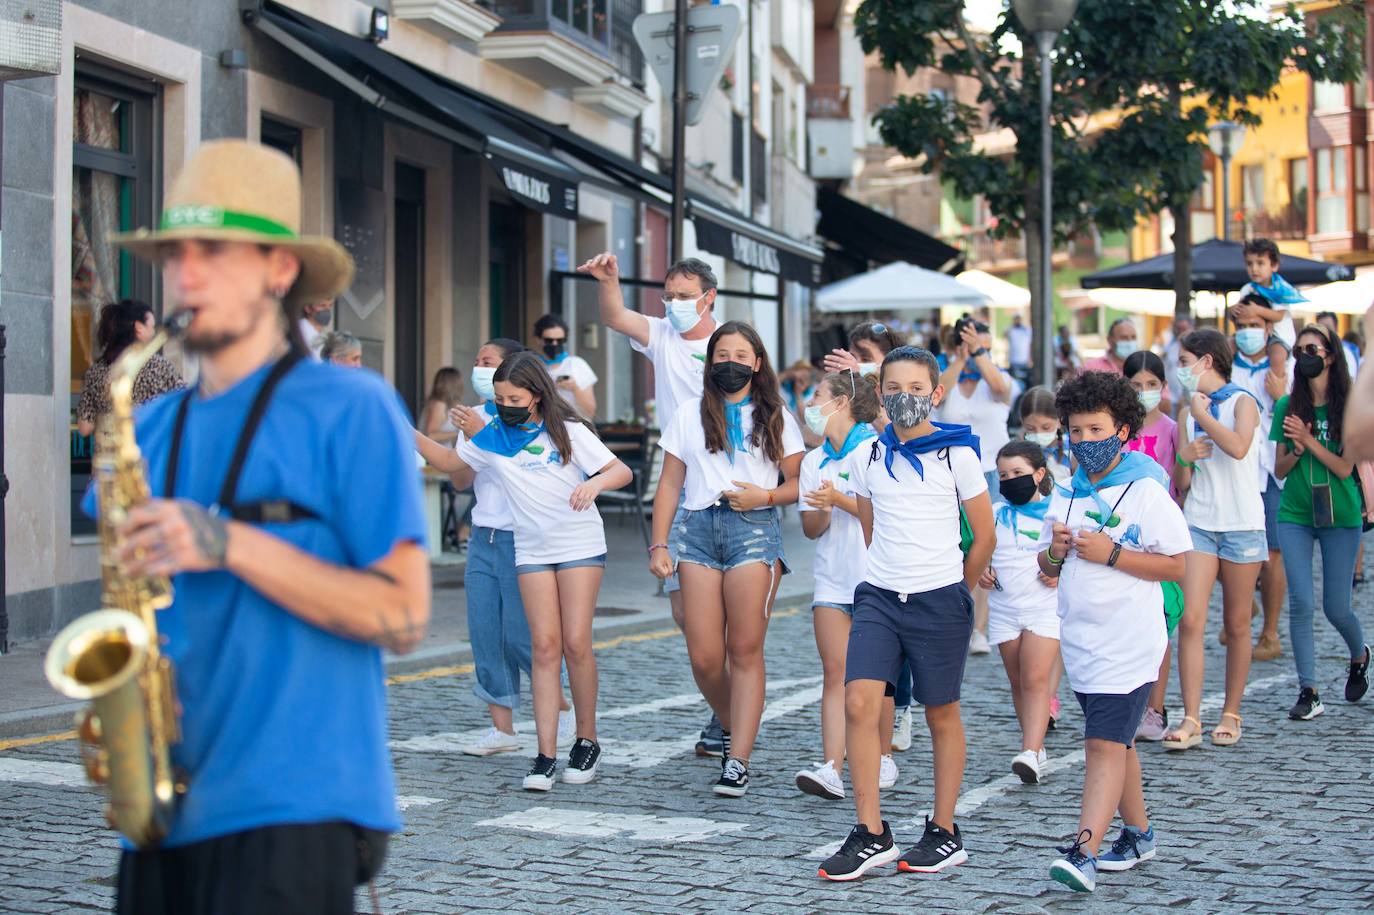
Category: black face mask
[513,416]
[1018,490]
[1310,366]
[731,377]
[554,349]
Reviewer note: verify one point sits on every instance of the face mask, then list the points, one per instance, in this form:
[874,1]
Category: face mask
[1250,340]
[323,317]
[1019,490]
[1150,399]
[481,382]
[1125,348]
[683,315]
[868,368]
[513,416]
[908,410]
[1095,457]
[1187,378]
[1310,366]
[816,420]
[554,350]
[1043,439]
[732,377]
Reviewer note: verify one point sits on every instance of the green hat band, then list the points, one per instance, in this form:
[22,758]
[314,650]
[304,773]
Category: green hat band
[192,216]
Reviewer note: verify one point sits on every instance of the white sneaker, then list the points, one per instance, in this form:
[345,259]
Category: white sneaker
[567,729]
[1027,764]
[822,781]
[978,643]
[492,742]
[901,729]
[1153,726]
[887,772]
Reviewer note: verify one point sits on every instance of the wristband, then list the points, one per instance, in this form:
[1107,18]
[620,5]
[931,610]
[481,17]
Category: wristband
[657,546]
[1049,554]
[1182,463]
[980,351]
[770,497]
[1116,554]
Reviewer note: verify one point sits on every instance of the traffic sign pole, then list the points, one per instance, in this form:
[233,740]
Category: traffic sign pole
[679,128]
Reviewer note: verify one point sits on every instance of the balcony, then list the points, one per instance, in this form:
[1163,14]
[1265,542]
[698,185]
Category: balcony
[827,103]
[451,20]
[1289,222]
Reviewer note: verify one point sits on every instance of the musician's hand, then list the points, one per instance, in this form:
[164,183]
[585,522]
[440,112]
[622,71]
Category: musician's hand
[167,536]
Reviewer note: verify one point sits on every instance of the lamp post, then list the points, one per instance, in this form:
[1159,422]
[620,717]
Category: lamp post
[1045,19]
[1224,138]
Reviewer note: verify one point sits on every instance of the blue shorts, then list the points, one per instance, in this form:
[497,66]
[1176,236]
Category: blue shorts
[1232,546]
[1113,716]
[930,631]
[1273,495]
[598,562]
[721,538]
[846,609]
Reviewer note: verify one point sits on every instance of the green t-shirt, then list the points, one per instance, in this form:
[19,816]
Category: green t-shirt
[1296,506]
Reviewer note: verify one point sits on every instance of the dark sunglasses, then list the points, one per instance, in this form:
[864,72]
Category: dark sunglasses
[554,339]
[1312,349]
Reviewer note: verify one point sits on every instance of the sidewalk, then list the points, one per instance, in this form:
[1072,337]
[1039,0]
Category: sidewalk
[628,602]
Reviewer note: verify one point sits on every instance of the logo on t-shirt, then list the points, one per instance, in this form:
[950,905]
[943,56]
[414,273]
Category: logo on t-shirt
[534,449]
[1033,535]
[843,474]
[1097,516]
[700,357]
[554,457]
[1132,535]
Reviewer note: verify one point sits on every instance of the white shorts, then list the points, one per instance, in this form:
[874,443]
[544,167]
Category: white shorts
[1007,623]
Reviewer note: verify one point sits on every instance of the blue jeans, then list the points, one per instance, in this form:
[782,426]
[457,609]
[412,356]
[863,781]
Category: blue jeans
[1339,546]
[497,628]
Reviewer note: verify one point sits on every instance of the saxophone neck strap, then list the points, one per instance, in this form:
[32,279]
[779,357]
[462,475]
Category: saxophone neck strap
[262,512]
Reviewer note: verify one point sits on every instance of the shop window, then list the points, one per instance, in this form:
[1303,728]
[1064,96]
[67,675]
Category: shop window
[283,137]
[1332,180]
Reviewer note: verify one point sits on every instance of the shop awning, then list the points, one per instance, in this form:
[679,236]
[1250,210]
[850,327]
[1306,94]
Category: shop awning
[751,245]
[526,166]
[866,234]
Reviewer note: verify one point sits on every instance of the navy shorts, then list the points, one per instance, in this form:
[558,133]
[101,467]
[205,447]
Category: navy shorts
[1113,716]
[930,631]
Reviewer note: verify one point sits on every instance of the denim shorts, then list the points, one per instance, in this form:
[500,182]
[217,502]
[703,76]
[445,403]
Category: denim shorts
[721,538]
[846,609]
[1273,495]
[1113,716]
[1232,546]
[598,562]
[929,630]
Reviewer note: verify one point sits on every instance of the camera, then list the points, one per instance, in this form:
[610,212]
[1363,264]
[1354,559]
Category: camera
[968,321]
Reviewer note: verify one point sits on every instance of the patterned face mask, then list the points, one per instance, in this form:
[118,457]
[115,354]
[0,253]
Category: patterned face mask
[908,410]
[1095,457]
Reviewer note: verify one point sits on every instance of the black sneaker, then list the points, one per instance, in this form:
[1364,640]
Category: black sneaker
[861,852]
[582,761]
[724,748]
[937,850]
[710,742]
[734,779]
[541,774]
[1308,706]
[1357,684]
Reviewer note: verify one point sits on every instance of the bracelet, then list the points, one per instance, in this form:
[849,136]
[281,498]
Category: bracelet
[1182,463]
[1049,554]
[1116,554]
[657,546]
[770,497]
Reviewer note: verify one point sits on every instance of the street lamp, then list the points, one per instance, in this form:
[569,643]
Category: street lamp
[1045,19]
[1224,138]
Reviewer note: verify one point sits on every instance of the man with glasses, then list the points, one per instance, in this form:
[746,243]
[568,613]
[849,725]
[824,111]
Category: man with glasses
[676,346]
[571,374]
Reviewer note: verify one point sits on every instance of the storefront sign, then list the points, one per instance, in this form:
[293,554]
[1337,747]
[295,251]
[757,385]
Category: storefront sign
[535,189]
[754,253]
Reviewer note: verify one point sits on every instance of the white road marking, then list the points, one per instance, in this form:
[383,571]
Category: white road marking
[591,824]
[971,800]
[406,801]
[38,772]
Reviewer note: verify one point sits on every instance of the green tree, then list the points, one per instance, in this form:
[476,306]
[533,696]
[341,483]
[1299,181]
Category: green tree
[1125,142]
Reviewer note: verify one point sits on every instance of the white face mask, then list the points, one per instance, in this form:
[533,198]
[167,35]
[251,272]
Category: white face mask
[683,314]
[481,382]
[868,368]
[1150,399]
[1043,439]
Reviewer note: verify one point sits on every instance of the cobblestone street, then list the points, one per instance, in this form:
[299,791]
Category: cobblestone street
[1279,823]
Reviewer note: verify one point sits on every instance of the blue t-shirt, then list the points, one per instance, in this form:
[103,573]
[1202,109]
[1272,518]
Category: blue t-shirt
[285,722]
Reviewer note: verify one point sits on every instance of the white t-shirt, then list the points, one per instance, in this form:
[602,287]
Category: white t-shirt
[1112,633]
[1019,344]
[537,486]
[577,368]
[491,508]
[986,415]
[1017,567]
[841,555]
[1226,493]
[710,476]
[313,337]
[915,544]
[1253,381]
[679,365]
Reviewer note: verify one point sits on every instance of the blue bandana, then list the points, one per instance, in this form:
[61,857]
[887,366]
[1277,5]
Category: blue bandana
[946,435]
[734,426]
[970,375]
[1279,291]
[1134,465]
[861,432]
[1252,367]
[561,356]
[1006,513]
[490,407]
[1225,393]
[508,441]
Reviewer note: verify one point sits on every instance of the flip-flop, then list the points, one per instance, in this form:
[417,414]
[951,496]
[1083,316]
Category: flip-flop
[1172,741]
[1223,736]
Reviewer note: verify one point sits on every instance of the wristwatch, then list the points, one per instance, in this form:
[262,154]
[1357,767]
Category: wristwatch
[1116,554]
[980,351]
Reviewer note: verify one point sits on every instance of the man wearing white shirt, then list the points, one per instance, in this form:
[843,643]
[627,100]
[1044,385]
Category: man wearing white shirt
[315,321]
[1019,350]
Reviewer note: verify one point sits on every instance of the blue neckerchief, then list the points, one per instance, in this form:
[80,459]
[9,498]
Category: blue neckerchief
[970,375]
[734,425]
[1223,394]
[1279,291]
[946,435]
[861,432]
[1251,367]
[551,362]
[1134,465]
[1006,513]
[942,361]
[507,441]
[490,407]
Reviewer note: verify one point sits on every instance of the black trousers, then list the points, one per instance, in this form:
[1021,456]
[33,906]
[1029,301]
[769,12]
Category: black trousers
[309,869]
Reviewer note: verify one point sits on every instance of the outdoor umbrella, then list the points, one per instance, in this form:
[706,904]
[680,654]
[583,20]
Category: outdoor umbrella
[897,287]
[1218,266]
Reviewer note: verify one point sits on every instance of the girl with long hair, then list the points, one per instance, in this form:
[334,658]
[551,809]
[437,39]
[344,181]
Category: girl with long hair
[445,393]
[1219,465]
[551,467]
[1320,506]
[727,450]
[121,325]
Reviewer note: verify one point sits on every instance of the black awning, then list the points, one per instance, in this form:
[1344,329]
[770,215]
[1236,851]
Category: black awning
[753,246]
[1218,266]
[525,164]
[865,234]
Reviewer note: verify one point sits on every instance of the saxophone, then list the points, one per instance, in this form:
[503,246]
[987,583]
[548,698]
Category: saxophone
[112,656]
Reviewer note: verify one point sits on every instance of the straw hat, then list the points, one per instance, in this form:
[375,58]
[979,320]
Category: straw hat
[233,190]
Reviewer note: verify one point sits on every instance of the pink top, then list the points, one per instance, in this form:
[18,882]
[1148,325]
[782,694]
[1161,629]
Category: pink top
[1159,440]
[1100,364]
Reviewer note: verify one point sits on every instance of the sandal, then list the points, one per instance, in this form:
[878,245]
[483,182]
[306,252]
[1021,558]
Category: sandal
[1172,740]
[1222,736]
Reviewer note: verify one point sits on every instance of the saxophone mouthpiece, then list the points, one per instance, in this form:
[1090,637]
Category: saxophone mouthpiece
[177,322]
